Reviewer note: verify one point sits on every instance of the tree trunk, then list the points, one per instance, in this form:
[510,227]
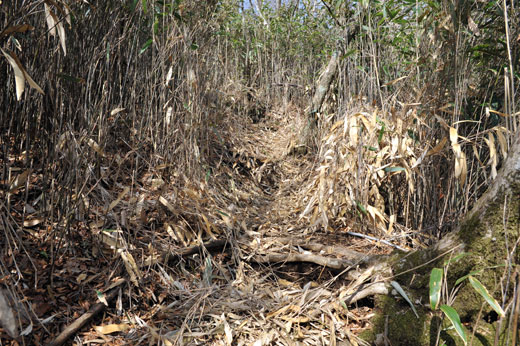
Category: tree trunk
[488,236]
[308,131]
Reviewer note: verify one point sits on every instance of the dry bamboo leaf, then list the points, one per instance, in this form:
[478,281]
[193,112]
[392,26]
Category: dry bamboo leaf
[131,267]
[51,23]
[265,339]
[438,147]
[182,234]
[81,277]
[67,11]
[168,117]
[332,336]
[32,222]
[93,144]
[167,204]
[111,328]
[227,331]
[19,181]
[227,220]
[464,168]
[309,206]
[395,81]
[499,113]
[118,199]
[375,214]
[169,76]
[171,233]
[503,142]
[61,35]
[19,77]
[209,227]
[408,172]
[492,155]
[116,111]
[366,123]
[289,307]
[453,135]
[111,239]
[139,209]
[391,224]
[16,28]
[336,125]
[7,316]
[395,146]
[298,319]
[457,151]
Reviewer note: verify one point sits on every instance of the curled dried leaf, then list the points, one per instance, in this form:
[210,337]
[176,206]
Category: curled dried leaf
[16,28]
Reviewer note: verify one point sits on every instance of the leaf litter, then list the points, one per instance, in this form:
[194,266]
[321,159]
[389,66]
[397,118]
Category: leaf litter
[259,251]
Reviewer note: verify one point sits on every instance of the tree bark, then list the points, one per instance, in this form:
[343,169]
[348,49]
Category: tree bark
[308,132]
[488,236]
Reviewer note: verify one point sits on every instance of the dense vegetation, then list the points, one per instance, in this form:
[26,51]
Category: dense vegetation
[131,118]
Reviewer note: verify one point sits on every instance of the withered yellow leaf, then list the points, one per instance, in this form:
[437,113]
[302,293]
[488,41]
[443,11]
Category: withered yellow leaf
[131,267]
[112,328]
[438,147]
[118,199]
[453,135]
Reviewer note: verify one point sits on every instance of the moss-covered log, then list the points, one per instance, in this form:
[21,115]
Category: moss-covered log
[488,237]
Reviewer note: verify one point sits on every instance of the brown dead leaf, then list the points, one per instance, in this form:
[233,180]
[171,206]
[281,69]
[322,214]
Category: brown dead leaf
[16,28]
[167,204]
[438,147]
[19,181]
[118,199]
[131,267]
[81,277]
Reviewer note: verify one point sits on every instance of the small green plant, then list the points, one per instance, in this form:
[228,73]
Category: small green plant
[439,292]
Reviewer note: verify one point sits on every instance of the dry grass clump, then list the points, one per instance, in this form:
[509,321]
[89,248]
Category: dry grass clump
[366,170]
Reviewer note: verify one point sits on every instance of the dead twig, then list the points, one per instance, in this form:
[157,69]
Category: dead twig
[167,256]
[71,329]
[333,263]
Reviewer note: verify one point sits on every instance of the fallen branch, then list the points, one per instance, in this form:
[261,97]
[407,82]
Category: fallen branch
[72,328]
[342,251]
[170,255]
[333,263]
[370,290]
[354,234]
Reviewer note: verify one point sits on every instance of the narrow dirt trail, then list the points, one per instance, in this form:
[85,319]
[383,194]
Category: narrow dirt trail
[232,261]
[275,177]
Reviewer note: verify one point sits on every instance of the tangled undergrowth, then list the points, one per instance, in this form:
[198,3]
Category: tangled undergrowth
[229,258]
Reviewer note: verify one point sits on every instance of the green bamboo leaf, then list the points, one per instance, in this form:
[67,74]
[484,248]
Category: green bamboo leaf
[455,258]
[454,318]
[146,45]
[398,288]
[435,287]
[101,297]
[381,133]
[459,280]
[362,208]
[484,293]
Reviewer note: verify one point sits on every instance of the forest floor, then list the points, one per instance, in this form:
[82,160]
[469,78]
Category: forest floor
[164,260]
